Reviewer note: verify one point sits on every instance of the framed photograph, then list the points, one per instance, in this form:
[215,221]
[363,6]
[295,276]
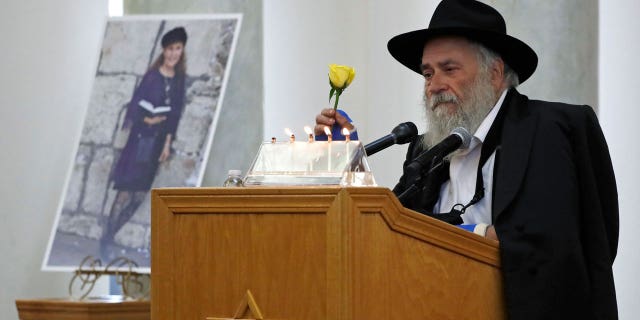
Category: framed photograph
[154,106]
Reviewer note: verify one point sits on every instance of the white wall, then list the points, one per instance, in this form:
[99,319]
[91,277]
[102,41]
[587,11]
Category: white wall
[49,52]
[619,115]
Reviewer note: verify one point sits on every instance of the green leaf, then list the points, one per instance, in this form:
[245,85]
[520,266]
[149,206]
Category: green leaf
[331,93]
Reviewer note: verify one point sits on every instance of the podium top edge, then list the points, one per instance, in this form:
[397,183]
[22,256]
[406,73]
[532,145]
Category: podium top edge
[268,190]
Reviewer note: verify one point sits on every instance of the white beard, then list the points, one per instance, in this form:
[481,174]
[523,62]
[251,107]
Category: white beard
[468,114]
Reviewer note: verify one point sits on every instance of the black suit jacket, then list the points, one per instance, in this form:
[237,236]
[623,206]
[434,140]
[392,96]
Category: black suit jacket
[555,210]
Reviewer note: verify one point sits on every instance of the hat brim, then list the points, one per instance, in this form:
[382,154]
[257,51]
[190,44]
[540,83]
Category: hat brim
[407,48]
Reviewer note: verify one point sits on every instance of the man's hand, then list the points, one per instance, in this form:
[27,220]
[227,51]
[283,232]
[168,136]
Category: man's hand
[327,118]
[491,234]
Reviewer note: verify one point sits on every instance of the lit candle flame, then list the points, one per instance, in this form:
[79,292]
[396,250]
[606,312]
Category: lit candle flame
[327,131]
[308,130]
[346,134]
[292,137]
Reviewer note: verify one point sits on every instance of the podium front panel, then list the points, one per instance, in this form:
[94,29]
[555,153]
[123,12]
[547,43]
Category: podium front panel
[314,253]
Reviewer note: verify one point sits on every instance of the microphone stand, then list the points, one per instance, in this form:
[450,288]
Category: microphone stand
[416,169]
[452,217]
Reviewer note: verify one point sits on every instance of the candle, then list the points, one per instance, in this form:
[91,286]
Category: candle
[292,137]
[327,131]
[347,140]
[308,130]
[346,134]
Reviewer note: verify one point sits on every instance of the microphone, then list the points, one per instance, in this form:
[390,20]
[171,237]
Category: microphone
[401,134]
[459,138]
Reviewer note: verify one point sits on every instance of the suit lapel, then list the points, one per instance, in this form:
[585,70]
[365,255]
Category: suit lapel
[517,135]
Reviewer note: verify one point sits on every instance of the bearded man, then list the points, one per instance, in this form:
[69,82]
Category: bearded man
[537,173]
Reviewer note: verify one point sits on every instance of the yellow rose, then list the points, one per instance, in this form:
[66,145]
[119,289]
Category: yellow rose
[340,77]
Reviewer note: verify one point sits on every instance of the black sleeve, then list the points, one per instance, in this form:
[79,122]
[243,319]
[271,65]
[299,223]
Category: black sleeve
[602,180]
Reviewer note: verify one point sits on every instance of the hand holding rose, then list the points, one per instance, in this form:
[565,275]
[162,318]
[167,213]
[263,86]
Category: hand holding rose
[327,118]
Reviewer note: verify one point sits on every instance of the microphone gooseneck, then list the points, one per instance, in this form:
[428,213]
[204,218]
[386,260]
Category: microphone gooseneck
[401,134]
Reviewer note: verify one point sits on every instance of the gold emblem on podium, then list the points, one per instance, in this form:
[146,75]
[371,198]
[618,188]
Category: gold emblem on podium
[247,309]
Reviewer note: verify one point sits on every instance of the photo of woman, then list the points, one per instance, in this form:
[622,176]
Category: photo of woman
[152,116]
[155,103]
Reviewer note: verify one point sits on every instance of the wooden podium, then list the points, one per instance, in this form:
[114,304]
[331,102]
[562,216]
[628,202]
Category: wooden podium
[314,253]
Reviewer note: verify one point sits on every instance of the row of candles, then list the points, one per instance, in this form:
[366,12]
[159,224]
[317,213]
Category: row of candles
[345,132]
[292,138]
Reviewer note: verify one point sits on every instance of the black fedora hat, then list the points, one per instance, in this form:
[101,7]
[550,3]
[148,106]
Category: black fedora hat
[470,19]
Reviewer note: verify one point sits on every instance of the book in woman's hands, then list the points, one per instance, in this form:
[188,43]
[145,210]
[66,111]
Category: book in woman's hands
[144,104]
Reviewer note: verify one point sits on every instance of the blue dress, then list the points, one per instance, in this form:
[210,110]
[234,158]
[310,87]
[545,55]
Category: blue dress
[136,168]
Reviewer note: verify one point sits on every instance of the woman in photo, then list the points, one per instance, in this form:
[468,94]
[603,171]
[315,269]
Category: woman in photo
[152,115]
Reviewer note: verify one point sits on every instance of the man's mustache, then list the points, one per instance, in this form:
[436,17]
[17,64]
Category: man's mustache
[440,98]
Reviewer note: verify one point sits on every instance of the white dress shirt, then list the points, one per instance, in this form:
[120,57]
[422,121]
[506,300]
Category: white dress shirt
[463,171]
